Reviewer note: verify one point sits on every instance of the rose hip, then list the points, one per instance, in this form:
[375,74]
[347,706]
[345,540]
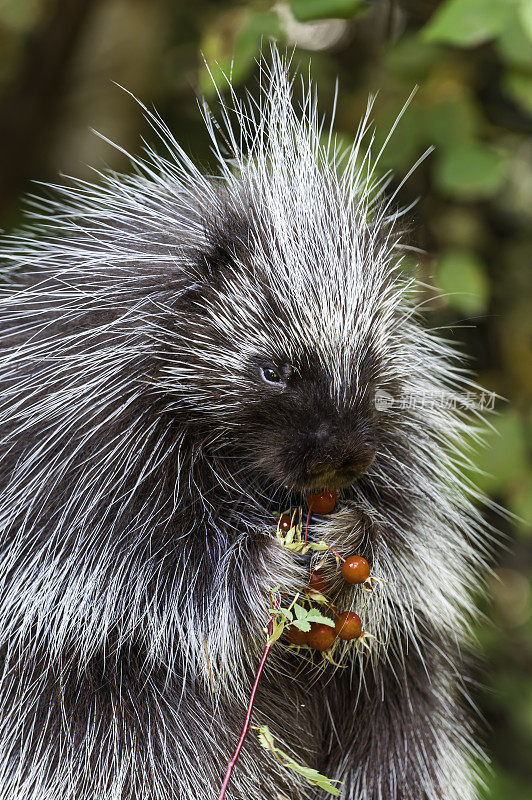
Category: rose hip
[348,625]
[296,635]
[355,569]
[285,523]
[322,503]
[321,636]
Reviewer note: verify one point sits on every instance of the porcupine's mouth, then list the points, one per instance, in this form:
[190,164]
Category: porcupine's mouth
[336,477]
[292,484]
[337,483]
[332,479]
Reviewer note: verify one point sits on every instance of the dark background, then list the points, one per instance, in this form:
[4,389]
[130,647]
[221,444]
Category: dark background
[472,61]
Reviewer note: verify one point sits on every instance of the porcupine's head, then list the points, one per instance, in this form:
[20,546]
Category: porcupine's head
[284,356]
[295,320]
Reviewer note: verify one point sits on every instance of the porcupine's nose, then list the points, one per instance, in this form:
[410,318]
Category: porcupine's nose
[323,433]
[341,455]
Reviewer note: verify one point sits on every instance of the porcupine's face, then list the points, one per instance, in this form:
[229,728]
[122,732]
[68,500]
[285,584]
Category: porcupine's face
[285,369]
[295,431]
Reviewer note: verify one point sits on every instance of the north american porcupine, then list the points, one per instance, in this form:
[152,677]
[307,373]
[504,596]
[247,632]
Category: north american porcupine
[183,356]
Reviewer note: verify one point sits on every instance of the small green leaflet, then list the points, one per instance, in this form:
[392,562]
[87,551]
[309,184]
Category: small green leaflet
[312,776]
[302,624]
[265,737]
[315,616]
[309,615]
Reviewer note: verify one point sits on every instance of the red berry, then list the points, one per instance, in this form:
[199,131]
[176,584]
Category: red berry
[321,636]
[348,625]
[355,569]
[285,523]
[318,581]
[322,503]
[296,635]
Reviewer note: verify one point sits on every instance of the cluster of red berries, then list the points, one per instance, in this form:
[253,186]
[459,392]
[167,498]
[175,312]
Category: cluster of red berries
[355,570]
[347,626]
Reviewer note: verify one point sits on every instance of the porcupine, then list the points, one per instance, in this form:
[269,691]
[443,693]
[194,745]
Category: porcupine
[182,356]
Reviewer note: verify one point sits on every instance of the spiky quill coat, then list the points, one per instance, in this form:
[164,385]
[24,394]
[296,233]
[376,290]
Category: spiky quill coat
[143,453]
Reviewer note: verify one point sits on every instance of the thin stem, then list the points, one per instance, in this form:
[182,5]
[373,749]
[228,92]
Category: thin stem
[308,520]
[337,554]
[247,721]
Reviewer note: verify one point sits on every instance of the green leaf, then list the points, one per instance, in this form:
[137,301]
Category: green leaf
[300,612]
[470,171]
[265,738]
[461,274]
[519,87]
[308,10]
[302,624]
[525,15]
[513,44]
[318,547]
[297,546]
[311,775]
[314,615]
[468,23]
[504,458]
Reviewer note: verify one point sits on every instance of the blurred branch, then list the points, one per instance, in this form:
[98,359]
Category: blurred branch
[30,106]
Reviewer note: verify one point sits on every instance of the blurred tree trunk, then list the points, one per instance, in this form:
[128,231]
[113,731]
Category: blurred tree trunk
[31,104]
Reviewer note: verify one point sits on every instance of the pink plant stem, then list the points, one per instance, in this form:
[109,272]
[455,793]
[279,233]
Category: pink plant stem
[336,554]
[249,712]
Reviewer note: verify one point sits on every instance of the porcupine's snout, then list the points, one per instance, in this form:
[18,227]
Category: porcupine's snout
[338,454]
[307,442]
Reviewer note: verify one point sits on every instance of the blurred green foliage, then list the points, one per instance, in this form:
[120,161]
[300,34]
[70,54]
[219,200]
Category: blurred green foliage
[472,63]
[309,10]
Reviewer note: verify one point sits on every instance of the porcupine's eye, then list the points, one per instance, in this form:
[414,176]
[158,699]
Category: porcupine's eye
[270,375]
[275,374]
